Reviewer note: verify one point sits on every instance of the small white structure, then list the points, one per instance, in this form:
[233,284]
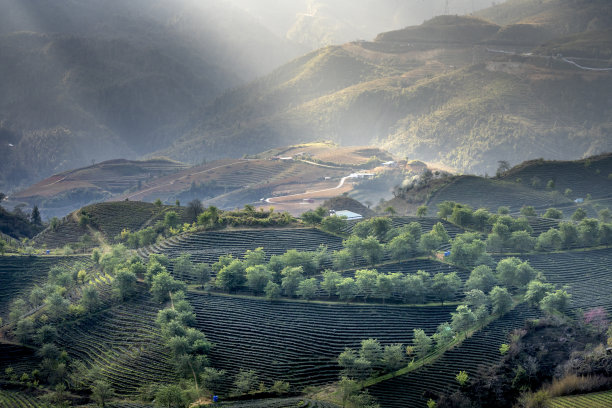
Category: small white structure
[348,214]
[286,158]
[390,163]
[361,175]
[579,200]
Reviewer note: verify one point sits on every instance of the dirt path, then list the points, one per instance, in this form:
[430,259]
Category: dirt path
[340,185]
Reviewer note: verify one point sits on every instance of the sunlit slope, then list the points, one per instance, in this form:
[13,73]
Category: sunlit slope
[438,92]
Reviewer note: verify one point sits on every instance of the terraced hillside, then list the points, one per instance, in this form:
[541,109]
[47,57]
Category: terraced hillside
[124,342]
[21,359]
[208,246]
[18,274]
[492,194]
[298,342]
[593,400]
[15,399]
[482,349]
[586,272]
[278,403]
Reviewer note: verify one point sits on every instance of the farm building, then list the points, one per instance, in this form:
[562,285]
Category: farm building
[361,175]
[348,214]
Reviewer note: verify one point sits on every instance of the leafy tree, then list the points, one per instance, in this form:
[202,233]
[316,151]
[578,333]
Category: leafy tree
[90,299]
[194,208]
[171,219]
[102,392]
[549,240]
[334,224]
[257,277]
[502,168]
[57,306]
[272,290]
[347,289]
[183,267]
[209,217]
[17,309]
[212,379]
[579,215]
[481,278]
[446,285]
[372,351]
[445,209]
[348,388]
[416,287]
[421,211]
[402,247]
[605,215]
[255,257]
[501,300]
[480,219]
[476,298]
[553,213]
[291,278]
[3,246]
[371,250]
[307,288]
[522,241]
[393,357]
[461,215]
[311,218]
[163,285]
[280,387]
[232,276]
[605,234]
[171,396]
[245,381]
[35,217]
[588,231]
[45,334]
[330,281]
[536,291]
[507,270]
[462,319]
[569,234]
[124,284]
[24,330]
[466,249]
[366,282]
[528,211]
[462,378]
[384,286]
[202,273]
[444,334]
[428,242]
[503,210]
[342,259]
[422,343]
[558,301]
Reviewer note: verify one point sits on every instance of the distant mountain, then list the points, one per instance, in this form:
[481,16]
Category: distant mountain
[84,80]
[459,90]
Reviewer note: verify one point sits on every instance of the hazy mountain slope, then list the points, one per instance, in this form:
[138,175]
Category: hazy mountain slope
[437,92]
[85,80]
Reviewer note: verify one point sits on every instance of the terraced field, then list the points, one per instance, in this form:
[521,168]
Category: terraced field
[67,232]
[482,349]
[492,194]
[126,344]
[21,359]
[18,274]
[593,400]
[278,403]
[587,272]
[14,399]
[210,245]
[297,341]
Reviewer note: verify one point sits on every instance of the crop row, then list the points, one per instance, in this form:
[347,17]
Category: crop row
[480,350]
[299,342]
[112,218]
[209,246]
[13,399]
[586,272]
[593,400]
[68,231]
[18,274]
[124,342]
[278,403]
[21,359]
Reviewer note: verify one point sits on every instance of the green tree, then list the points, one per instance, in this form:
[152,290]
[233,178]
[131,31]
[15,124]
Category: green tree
[171,219]
[291,278]
[550,240]
[334,224]
[342,259]
[422,343]
[35,217]
[245,381]
[462,378]
[569,234]
[553,213]
[588,231]
[212,379]
[102,392]
[445,209]
[57,306]
[194,208]
[171,396]
[501,300]
[307,289]
[202,273]
[255,257]
[466,249]
[605,234]
[272,290]
[90,300]
[232,276]
[393,357]
[366,282]
[605,215]
[507,270]
[45,334]
[522,241]
[476,298]
[402,247]
[421,211]
[557,301]
[480,219]
[347,289]
[503,210]
[444,334]
[183,267]
[446,285]
[330,282]
[462,215]
[528,211]
[163,285]
[25,330]
[257,277]
[311,218]
[536,291]
[462,319]
[384,286]
[579,215]
[372,351]
[481,278]
[371,250]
